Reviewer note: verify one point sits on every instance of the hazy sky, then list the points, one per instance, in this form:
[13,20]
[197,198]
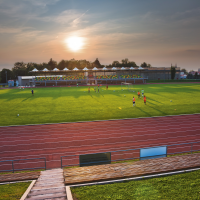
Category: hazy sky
[159,32]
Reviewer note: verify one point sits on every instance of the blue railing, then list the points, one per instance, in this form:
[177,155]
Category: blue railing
[12,163]
[75,158]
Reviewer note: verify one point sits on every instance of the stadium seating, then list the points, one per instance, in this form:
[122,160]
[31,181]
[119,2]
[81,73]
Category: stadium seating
[130,76]
[74,78]
[107,77]
[47,78]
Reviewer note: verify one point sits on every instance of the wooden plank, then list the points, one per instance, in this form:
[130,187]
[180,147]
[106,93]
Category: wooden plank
[50,185]
[46,187]
[28,190]
[19,176]
[47,196]
[130,169]
[69,194]
[47,191]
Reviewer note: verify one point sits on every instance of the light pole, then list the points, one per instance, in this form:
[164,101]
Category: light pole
[6,76]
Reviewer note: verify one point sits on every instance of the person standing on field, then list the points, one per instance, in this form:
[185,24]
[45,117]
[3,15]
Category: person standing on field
[89,90]
[134,101]
[144,100]
[138,94]
[32,92]
[142,92]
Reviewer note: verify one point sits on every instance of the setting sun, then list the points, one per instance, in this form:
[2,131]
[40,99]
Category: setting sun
[75,43]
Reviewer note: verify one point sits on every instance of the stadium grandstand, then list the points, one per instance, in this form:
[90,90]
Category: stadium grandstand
[95,76]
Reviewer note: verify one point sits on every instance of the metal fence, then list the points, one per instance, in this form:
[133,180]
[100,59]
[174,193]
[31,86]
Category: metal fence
[133,154]
[22,164]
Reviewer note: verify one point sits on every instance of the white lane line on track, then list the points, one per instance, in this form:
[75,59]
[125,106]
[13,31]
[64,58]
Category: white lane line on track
[120,138]
[88,139]
[116,143]
[93,135]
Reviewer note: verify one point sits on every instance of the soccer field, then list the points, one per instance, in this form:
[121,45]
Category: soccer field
[70,104]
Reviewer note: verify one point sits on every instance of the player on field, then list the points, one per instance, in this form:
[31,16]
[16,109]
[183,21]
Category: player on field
[142,92]
[106,87]
[134,101]
[138,94]
[89,90]
[32,92]
[144,99]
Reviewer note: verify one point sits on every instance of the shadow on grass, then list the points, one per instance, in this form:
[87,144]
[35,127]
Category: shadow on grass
[159,110]
[154,100]
[144,111]
[26,99]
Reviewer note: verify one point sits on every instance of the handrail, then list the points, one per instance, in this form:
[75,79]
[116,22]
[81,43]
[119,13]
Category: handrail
[191,143]
[13,169]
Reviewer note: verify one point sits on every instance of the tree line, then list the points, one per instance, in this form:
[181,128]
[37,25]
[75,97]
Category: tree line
[23,69]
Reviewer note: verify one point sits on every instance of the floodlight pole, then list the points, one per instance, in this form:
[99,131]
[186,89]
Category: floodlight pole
[6,76]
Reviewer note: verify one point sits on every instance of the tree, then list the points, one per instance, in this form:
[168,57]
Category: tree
[20,69]
[190,76]
[61,65]
[29,68]
[149,66]
[10,75]
[115,63]
[173,72]
[144,65]
[132,64]
[52,64]
[184,70]
[97,63]
[196,75]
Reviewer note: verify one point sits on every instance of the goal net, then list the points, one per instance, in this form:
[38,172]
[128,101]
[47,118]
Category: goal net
[127,86]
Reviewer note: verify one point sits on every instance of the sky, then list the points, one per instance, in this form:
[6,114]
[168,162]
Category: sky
[158,32]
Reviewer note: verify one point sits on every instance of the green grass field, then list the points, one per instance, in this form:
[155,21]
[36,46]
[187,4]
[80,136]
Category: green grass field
[13,191]
[69,104]
[181,186]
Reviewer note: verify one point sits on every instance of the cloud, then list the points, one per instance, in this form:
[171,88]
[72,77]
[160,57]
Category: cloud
[42,2]
[30,36]
[79,20]
[70,18]
[9,30]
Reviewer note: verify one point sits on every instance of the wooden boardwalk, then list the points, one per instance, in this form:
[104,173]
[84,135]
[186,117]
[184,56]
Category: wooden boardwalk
[50,185]
[130,169]
[19,176]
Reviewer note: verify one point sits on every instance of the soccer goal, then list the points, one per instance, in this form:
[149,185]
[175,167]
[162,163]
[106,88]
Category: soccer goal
[127,86]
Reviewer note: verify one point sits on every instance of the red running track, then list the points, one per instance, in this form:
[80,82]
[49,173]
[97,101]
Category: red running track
[55,140]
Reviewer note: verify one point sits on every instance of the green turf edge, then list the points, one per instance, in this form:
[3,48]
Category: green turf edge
[38,170]
[13,191]
[179,186]
[173,81]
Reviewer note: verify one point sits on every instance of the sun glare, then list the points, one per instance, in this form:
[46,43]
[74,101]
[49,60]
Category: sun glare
[75,43]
